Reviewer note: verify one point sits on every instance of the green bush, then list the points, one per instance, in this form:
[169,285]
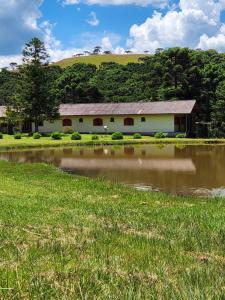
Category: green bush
[137,136]
[46,134]
[95,137]
[117,136]
[181,136]
[36,136]
[17,136]
[76,136]
[56,136]
[160,135]
[1,135]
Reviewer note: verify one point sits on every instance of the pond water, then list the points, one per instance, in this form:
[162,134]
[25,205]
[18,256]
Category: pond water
[175,169]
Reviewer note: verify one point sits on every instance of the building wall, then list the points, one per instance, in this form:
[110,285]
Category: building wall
[153,123]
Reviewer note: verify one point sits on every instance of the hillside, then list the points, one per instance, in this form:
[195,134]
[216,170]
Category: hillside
[98,59]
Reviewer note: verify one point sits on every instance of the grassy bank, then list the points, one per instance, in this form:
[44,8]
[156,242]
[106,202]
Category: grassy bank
[65,237]
[8,142]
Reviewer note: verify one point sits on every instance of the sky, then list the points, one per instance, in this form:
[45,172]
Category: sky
[72,26]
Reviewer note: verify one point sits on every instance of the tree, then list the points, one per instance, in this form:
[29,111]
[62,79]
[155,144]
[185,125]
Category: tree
[13,66]
[8,81]
[218,112]
[97,50]
[73,86]
[33,98]
[86,52]
[35,53]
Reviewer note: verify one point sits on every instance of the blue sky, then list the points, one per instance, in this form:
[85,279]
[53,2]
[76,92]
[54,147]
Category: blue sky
[72,26]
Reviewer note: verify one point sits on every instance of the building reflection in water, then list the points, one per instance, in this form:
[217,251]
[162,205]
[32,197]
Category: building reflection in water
[167,168]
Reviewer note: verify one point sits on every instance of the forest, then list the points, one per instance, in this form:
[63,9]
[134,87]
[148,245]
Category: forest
[176,73]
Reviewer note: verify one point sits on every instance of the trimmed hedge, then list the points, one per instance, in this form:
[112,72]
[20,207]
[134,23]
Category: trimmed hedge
[17,136]
[137,136]
[181,136]
[56,136]
[76,136]
[36,136]
[117,136]
[160,135]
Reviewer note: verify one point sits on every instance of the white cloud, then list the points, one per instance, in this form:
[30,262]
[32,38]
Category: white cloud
[158,3]
[7,59]
[106,43]
[70,2]
[18,23]
[192,23]
[93,20]
[195,24]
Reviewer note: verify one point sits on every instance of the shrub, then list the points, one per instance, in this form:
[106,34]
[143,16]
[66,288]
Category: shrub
[160,135]
[76,136]
[46,134]
[56,136]
[1,135]
[17,136]
[117,136]
[181,136]
[137,136]
[36,136]
[95,137]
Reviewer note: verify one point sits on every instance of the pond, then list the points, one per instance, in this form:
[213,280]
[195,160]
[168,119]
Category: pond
[175,169]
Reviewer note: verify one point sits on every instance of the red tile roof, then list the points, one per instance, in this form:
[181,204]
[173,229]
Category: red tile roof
[134,108]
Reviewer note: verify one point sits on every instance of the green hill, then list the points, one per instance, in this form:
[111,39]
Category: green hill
[98,59]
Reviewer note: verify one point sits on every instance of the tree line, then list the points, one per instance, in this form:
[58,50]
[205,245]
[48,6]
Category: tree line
[34,90]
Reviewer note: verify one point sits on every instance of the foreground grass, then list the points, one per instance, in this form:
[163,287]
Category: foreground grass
[99,59]
[65,237]
[8,142]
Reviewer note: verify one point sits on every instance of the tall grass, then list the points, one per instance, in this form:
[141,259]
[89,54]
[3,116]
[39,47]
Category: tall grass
[65,237]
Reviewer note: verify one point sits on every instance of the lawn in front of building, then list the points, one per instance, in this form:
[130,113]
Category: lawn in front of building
[69,237]
[9,142]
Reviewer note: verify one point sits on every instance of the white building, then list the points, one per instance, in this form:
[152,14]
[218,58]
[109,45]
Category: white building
[142,117]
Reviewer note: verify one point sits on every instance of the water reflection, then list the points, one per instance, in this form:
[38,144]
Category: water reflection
[185,170]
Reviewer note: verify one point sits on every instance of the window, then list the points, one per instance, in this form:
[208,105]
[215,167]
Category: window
[67,122]
[81,120]
[41,123]
[180,124]
[112,120]
[129,150]
[98,122]
[128,122]
[143,119]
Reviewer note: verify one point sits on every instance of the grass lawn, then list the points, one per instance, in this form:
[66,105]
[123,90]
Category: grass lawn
[68,237]
[8,141]
[98,59]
